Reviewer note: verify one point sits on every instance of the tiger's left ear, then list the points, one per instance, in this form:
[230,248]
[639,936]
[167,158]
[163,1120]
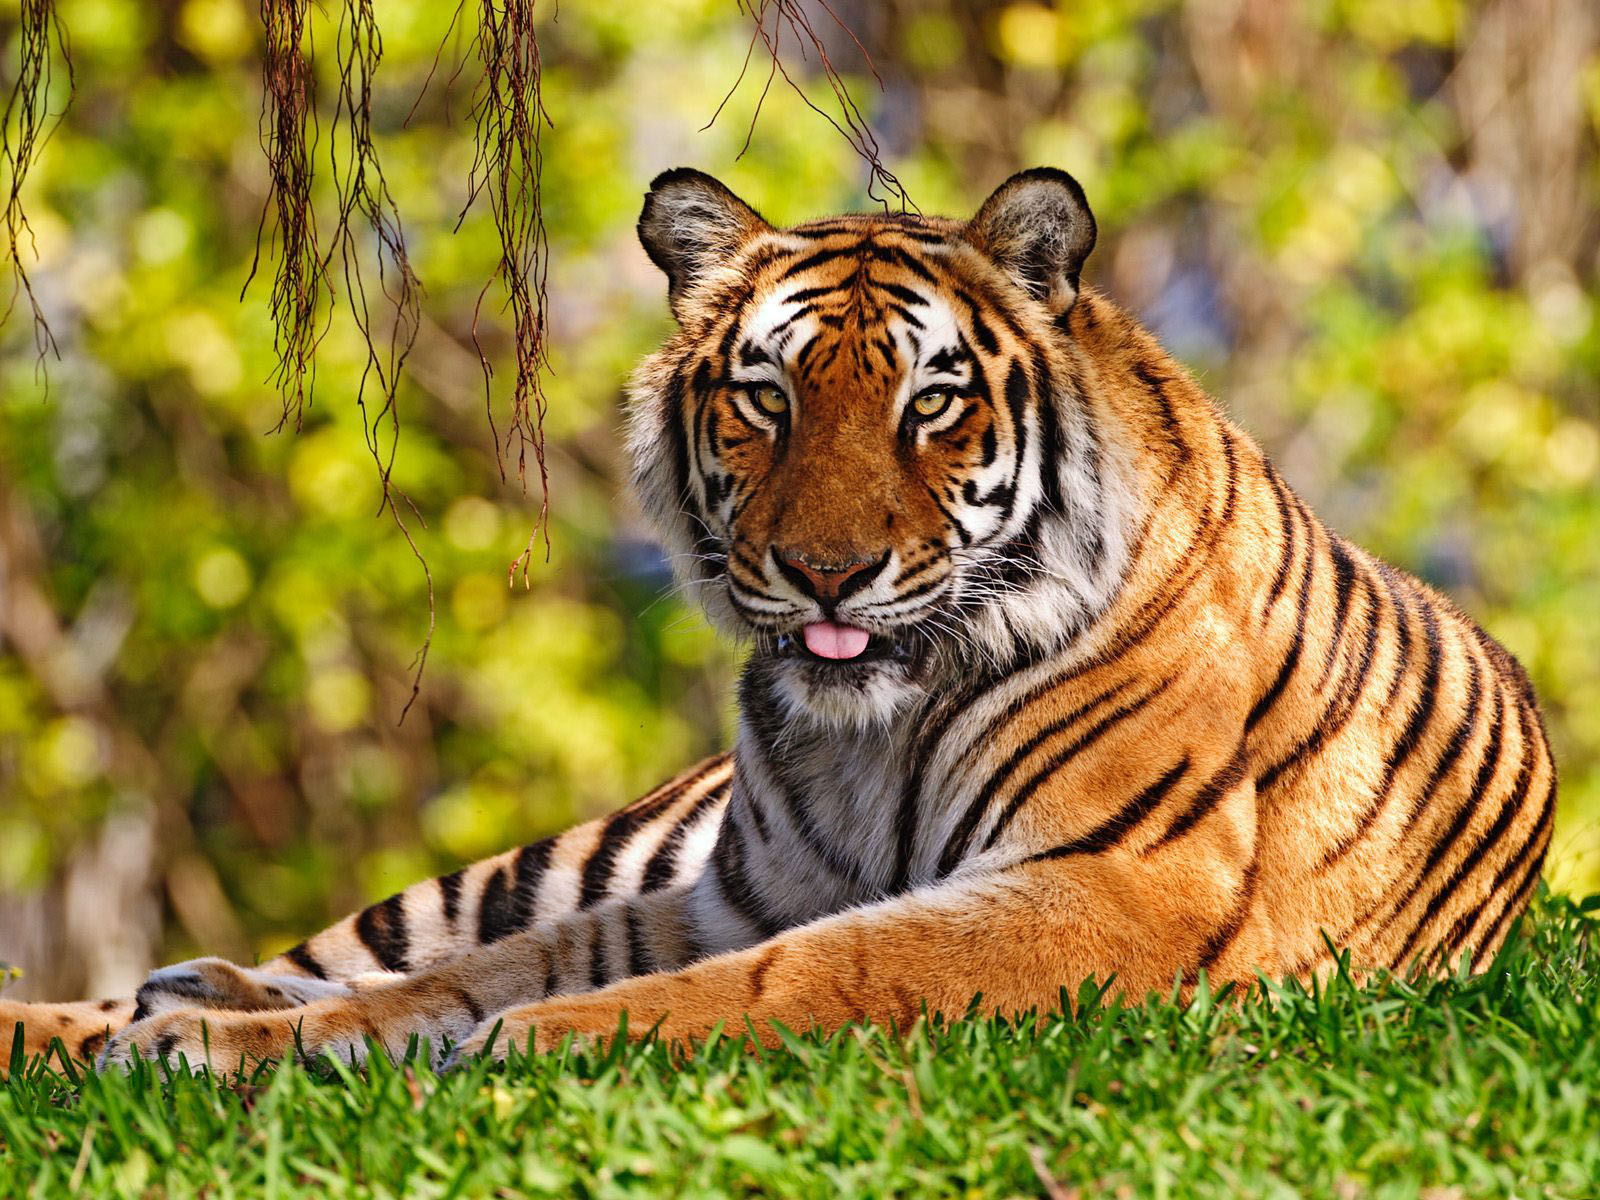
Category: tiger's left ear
[1038,229]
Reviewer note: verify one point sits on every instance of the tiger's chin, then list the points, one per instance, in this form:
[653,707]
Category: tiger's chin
[867,688]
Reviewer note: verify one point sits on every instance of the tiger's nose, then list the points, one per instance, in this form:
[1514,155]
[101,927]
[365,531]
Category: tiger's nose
[828,582]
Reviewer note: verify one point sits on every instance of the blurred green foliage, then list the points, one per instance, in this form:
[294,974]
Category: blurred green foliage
[205,633]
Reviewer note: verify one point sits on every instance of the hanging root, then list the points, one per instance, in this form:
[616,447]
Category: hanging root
[365,203]
[509,116]
[367,223]
[789,18]
[301,280]
[22,137]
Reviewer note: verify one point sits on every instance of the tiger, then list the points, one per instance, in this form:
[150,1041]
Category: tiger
[1051,678]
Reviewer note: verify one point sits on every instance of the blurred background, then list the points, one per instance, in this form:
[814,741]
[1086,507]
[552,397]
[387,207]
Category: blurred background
[1369,226]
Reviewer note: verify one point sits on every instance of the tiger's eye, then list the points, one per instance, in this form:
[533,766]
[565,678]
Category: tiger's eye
[931,404]
[771,400]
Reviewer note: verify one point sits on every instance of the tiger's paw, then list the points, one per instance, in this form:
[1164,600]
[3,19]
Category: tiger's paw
[214,983]
[534,1028]
[345,1028]
[199,1038]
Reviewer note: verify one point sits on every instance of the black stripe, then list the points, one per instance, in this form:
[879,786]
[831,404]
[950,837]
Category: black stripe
[1052,447]
[962,532]
[1291,658]
[1222,938]
[1230,457]
[1427,694]
[826,228]
[474,1009]
[1110,832]
[302,957]
[806,295]
[729,307]
[1509,808]
[640,960]
[1518,902]
[1534,860]
[962,833]
[1457,743]
[382,930]
[509,897]
[818,258]
[1017,394]
[1344,573]
[933,726]
[1515,866]
[980,327]
[795,808]
[599,970]
[1488,763]
[663,863]
[921,589]
[1450,946]
[1402,614]
[901,293]
[552,977]
[899,257]
[1062,757]
[727,860]
[1145,373]
[1341,708]
[960,703]
[450,894]
[1280,580]
[910,318]
[601,864]
[757,817]
[1455,747]
[1208,797]
[1459,820]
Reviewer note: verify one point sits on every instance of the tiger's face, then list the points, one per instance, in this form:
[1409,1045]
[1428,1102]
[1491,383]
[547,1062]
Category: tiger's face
[865,444]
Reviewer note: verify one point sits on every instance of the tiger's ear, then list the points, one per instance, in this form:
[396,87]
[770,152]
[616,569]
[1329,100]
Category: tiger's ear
[692,223]
[1038,229]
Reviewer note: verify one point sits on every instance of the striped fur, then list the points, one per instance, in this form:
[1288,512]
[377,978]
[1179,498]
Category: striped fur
[1134,709]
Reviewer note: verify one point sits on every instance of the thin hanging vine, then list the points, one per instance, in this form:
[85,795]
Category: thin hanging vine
[287,131]
[42,41]
[789,20]
[365,203]
[509,117]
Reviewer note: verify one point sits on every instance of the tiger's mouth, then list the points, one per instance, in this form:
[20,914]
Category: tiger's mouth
[841,647]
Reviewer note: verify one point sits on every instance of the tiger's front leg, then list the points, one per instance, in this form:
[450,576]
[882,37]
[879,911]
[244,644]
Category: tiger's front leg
[1015,937]
[656,842]
[444,1004]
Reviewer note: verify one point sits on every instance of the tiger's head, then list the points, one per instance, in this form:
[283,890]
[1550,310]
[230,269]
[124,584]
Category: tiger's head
[869,444]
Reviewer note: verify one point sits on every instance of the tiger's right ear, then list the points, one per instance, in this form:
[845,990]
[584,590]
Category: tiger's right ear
[691,223]
[1038,229]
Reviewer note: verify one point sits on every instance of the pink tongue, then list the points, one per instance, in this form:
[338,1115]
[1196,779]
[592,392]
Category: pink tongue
[827,640]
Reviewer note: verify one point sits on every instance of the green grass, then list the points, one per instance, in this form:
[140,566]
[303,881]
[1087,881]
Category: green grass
[1482,1086]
